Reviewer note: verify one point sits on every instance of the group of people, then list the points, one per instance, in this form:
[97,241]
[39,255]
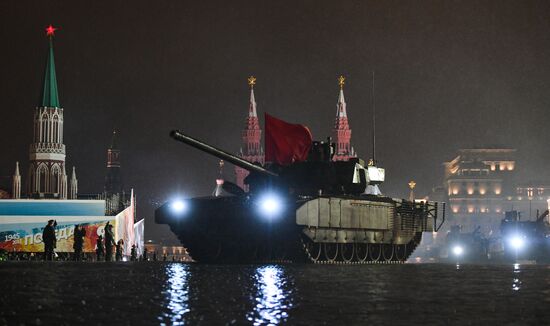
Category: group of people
[104,245]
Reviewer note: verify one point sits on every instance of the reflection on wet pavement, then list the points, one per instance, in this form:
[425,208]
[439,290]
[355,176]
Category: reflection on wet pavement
[272,303]
[177,292]
[65,293]
[516,283]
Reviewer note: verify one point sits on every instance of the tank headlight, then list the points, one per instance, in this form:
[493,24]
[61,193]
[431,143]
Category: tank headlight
[270,205]
[517,242]
[178,206]
[458,250]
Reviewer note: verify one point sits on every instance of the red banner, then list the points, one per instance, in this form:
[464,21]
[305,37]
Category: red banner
[285,143]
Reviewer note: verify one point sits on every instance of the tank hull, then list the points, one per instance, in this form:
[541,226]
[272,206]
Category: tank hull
[332,230]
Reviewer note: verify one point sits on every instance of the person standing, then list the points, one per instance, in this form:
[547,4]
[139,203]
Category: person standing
[145,254]
[133,253]
[109,242]
[48,237]
[99,248]
[78,244]
[118,252]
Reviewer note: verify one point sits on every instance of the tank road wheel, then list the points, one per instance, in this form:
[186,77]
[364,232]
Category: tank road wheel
[314,250]
[347,251]
[375,251]
[362,252]
[387,251]
[331,251]
[401,252]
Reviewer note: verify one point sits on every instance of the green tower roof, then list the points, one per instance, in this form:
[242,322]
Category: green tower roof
[50,97]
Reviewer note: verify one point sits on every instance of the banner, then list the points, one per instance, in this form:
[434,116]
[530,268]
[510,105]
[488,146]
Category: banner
[285,143]
[125,229]
[139,229]
[24,233]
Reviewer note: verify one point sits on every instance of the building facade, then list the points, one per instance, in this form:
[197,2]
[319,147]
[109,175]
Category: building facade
[482,184]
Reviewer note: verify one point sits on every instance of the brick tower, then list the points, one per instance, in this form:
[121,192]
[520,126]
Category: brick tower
[341,132]
[251,135]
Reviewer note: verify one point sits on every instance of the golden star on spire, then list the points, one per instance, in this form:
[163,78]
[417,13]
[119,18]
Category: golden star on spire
[341,81]
[412,184]
[251,81]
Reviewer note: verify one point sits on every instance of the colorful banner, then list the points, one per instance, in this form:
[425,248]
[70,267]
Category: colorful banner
[26,234]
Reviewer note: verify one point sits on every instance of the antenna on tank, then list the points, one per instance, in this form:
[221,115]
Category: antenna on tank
[373,123]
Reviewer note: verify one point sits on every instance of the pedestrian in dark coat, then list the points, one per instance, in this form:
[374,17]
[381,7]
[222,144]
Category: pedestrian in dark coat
[133,253]
[109,242]
[119,248]
[99,248]
[48,237]
[78,244]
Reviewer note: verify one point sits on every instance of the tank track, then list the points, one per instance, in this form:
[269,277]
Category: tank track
[303,250]
[358,253]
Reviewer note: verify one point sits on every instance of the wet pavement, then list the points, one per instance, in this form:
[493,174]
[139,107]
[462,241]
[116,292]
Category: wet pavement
[151,293]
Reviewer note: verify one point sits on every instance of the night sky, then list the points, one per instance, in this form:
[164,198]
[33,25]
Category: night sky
[449,75]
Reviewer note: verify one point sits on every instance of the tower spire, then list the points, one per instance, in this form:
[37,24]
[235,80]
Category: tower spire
[251,137]
[341,131]
[50,97]
[252,106]
[16,186]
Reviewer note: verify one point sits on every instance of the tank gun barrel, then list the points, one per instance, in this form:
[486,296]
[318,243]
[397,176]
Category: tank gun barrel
[223,155]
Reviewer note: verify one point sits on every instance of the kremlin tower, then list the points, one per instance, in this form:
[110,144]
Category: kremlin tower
[113,180]
[116,199]
[251,135]
[341,132]
[47,174]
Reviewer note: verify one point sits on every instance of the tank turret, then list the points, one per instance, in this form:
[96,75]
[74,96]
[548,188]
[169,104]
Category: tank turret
[317,175]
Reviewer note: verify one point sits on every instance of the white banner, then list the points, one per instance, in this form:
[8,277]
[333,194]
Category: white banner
[139,238]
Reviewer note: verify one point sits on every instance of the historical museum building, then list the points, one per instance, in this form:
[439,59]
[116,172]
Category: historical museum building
[481,184]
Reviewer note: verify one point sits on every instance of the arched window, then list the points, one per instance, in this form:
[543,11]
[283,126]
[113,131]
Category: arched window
[54,185]
[42,178]
[55,129]
[45,129]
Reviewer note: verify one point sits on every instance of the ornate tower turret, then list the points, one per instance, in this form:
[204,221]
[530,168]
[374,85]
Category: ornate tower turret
[16,186]
[74,185]
[342,132]
[47,152]
[251,135]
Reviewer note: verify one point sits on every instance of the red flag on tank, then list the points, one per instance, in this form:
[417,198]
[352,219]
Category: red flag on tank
[285,143]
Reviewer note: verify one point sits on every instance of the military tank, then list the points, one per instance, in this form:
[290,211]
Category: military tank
[525,240]
[314,211]
[467,247]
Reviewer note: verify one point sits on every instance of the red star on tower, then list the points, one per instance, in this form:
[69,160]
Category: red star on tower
[50,31]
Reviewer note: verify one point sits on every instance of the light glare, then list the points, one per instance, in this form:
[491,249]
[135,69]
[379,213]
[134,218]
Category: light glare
[270,204]
[517,242]
[178,206]
[458,250]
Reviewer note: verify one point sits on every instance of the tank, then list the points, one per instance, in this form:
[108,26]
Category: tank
[525,240]
[316,211]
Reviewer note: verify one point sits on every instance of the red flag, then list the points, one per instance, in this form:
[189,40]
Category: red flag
[285,143]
